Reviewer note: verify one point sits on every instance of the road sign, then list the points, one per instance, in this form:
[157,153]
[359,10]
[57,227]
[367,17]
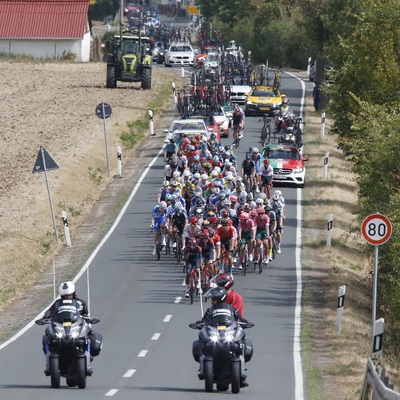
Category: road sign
[103,110]
[44,162]
[376,229]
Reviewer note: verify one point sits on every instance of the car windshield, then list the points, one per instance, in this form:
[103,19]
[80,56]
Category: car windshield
[181,48]
[285,154]
[263,93]
[212,57]
[190,126]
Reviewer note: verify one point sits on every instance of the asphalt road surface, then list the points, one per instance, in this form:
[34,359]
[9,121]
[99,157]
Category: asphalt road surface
[145,316]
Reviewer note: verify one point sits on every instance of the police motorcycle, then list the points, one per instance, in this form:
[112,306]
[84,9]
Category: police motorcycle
[222,351]
[291,132]
[70,344]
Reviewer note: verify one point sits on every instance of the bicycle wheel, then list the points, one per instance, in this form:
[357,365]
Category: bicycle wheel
[159,247]
[245,260]
[261,261]
[178,250]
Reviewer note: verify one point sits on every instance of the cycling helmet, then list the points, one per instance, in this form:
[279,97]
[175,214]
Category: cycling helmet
[191,148]
[214,174]
[168,197]
[253,213]
[285,101]
[176,195]
[224,221]
[186,173]
[211,185]
[198,213]
[196,157]
[276,196]
[194,220]
[205,223]
[227,148]
[218,293]
[263,196]
[266,161]
[216,159]
[229,177]
[206,235]
[260,210]
[186,141]
[178,205]
[259,201]
[248,156]
[198,192]
[232,213]
[66,288]
[163,205]
[233,198]
[179,153]
[173,164]
[224,213]
[204,176]
[278,192]
[255,150]
[198,234]
[249,196]
[226,202]
[244,216]
[176,174]
[218,169]
[192,242]
[165,183]
[228,163]
[196,175]
[224,280]
[214,220]
[174,183]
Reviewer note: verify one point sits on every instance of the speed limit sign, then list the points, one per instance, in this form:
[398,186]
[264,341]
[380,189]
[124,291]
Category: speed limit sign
[376,229]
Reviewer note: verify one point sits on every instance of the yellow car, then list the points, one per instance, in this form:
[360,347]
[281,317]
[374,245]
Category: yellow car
[263,100]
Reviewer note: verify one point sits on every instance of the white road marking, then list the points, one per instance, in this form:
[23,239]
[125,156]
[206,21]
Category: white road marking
[142,353]
[156,336]
[129,373]
[178,299]
[167,318]
[111,392]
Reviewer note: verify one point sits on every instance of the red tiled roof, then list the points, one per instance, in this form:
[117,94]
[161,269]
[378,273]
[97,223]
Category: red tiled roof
[43,19]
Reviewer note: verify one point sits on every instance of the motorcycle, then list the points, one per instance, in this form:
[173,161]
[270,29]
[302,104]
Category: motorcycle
[222,351]
[291,133]
[69,345]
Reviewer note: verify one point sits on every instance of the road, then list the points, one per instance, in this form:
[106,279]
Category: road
[145,317]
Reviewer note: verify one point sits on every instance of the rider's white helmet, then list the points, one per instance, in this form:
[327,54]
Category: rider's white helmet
[66,288]
[163,205]
[278,192]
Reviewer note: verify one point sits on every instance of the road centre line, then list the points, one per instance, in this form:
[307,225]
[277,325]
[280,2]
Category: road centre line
[129,373]
[111,392]
[178,299]
[167,318]
[142,353]
[156,336]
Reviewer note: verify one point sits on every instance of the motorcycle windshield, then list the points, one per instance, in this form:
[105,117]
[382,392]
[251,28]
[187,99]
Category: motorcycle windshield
[221,320]
[67,311]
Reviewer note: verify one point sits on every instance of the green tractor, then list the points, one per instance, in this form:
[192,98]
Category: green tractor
[129,60]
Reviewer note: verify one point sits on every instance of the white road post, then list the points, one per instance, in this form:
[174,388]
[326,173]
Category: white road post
[308,65]
[119,162]
[326,159]
[378,338]
[323,124]
[174,92]
[329,234]
[182,71]
[151,123]
[339,311]
[66,228]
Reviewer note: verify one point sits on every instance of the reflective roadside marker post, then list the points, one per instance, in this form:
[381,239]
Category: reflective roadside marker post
[323,124]
[174,92]
[103,111]
[376,230]
[339,311]
[329,235]
[326,159]
[182,71]
[378,338]
[66,228]
[119,162]
[308,65]
[151,122]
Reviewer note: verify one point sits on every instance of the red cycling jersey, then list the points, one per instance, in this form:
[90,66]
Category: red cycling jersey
[236,300]
[226,234]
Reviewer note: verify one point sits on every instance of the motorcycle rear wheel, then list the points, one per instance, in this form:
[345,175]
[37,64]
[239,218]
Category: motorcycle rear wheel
[54,372]
[208,376]
[235,376]
[71,382]
[81,372]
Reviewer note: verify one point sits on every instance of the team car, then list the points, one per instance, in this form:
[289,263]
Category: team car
[190,128]
[287,162]
[263,100]
[179,54]
[238,93]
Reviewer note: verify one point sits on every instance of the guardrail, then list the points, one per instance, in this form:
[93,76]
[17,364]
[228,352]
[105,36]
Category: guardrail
[376,384]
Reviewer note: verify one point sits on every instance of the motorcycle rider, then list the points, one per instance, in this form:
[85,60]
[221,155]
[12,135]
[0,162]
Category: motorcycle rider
[220,309]
[233,298]
[67,291]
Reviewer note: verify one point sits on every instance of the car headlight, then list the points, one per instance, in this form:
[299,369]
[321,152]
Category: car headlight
[250,102]
[298,170]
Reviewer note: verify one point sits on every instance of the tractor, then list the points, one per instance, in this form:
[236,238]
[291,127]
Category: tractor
[129,59]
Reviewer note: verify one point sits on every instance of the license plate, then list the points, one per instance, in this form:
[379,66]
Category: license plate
[67,323]
[264,108]
[221,327]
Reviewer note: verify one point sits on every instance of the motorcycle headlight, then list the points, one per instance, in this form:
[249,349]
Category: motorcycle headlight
[229,337]
[214,338]
[59,334]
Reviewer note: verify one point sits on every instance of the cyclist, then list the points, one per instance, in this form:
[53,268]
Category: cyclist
[208,253]
[227,234]
[249,171]
[190,229]
[237,122]
[169,169]
[170,149]
[158,222]
[257,159]
[192,258]
[246,234]
[178,221]
[272,228]
[277,206]
[162,192]
[262,223]
[266,175]
[182,161]
[278,196]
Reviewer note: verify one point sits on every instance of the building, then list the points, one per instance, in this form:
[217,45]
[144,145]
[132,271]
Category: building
[45,29]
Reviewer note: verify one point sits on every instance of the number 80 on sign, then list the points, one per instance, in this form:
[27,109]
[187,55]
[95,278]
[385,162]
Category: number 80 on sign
[376,229]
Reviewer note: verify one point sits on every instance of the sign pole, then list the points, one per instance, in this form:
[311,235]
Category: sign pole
[105,138]
[374,291]
[48,191]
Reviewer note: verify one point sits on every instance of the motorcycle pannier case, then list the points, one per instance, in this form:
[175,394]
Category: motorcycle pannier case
[248,350]
[96,343]
[196,350]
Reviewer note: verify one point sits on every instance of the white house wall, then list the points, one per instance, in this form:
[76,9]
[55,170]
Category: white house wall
[48,48]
